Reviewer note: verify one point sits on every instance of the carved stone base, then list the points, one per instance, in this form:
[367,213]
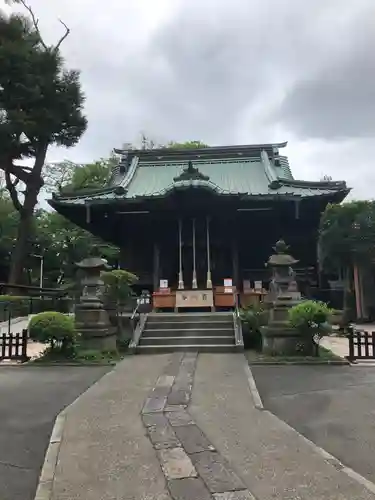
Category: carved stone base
[285,342]
[278,338]
[95,329]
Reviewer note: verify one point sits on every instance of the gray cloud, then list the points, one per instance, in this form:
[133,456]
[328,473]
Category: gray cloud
[337,100]
[226,71]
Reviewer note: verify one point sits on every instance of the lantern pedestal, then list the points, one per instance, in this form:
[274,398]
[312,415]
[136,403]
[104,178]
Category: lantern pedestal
[91,319]
[278,338]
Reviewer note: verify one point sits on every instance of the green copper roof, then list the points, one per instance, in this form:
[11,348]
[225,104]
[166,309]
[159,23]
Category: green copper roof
[244,170]
[225,177]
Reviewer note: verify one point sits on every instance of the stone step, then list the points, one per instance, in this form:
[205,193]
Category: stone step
[186,340]
[188,325]
[160,349]
[208,332]
[179,330]
[188,317]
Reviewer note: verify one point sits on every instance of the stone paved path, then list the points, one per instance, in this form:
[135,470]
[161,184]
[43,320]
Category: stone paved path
[184,427]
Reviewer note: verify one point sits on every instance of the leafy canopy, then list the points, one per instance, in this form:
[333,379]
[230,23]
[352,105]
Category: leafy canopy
[347,234]
[41,103]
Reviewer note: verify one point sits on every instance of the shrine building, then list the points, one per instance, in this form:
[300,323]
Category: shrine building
[197,224]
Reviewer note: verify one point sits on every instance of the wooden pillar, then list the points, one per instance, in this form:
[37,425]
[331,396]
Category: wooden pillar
[235,272]
[126,257]
[181,285]
[194,283]
[156,266]
[209,279]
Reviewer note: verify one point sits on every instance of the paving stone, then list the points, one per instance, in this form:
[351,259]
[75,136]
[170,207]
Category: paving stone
[169,408]
[216,473]
[178,417]
[165,381]
[178,397]
[234,495]
[184,383]
[151,419]
[189,489]
[160,392]
[193,439]
[163,436]
[173,366]
[154,404]
[176,464]
[187,369]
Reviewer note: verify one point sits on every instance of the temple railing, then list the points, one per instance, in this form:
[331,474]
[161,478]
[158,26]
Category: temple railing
[138,322]
[237,324]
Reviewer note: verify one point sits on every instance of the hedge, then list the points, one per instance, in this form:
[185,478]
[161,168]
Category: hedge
[17,306]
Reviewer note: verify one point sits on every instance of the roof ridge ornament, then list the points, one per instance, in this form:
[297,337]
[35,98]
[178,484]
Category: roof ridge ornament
[191,173]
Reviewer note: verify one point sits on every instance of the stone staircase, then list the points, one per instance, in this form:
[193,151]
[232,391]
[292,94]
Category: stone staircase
[204,332]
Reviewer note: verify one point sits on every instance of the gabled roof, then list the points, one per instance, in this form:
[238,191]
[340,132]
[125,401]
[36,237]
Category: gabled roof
[250,170]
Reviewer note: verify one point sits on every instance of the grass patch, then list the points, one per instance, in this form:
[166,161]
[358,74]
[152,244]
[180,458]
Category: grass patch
[325,357]
[80,357]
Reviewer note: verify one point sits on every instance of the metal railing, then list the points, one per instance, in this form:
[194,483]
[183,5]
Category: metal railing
[138,322]
[237,323]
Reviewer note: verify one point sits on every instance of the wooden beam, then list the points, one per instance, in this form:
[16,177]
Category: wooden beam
[235,271]
[156,266]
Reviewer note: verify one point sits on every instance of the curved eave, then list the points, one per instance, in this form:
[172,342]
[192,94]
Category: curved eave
[165,152]
[328,185]
[334,196]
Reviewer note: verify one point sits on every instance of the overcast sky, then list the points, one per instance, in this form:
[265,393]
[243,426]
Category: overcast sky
[227,72]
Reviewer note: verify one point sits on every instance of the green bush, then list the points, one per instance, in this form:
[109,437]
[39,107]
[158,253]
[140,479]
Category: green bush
[310,317]
[253,318]
[54,328]
[118,285]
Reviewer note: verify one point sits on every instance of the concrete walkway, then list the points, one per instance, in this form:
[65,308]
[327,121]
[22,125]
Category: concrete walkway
[143,433]
[338,345]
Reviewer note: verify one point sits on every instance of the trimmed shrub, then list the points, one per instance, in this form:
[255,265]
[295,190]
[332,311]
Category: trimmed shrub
[310,318]
[54,328]
[118,285]
[253,318]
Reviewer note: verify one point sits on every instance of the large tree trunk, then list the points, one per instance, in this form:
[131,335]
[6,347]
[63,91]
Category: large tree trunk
[21,250]
[25,227]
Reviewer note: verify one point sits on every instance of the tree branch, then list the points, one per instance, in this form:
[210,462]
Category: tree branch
[18,171]
[35,22]
[11,186]
[67,31]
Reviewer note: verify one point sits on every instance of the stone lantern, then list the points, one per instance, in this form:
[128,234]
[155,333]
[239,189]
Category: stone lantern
[281,264]
[91,319]
[278,337]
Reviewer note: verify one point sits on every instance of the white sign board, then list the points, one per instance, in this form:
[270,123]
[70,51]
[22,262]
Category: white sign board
[246,285]
[194,298]
[258,285]
[163,284]
[228,282]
